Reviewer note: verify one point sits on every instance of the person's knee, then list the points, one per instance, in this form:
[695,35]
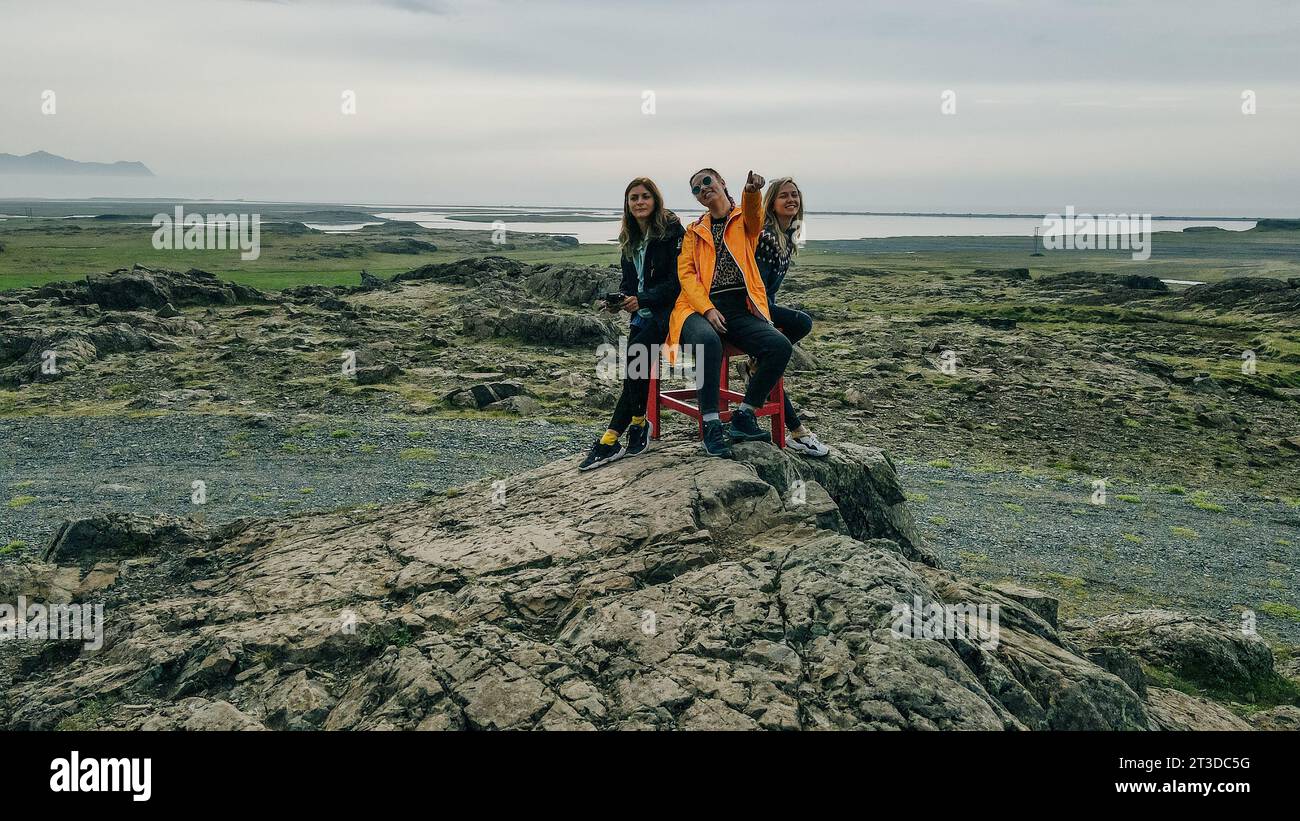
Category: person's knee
[703,338]
[800,325]
[779,348]
[795,325]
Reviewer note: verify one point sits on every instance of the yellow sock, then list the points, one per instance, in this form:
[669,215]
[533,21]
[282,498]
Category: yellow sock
[610,437]
[638,420]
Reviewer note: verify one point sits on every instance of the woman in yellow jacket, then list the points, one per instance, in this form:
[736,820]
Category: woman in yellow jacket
[723,298]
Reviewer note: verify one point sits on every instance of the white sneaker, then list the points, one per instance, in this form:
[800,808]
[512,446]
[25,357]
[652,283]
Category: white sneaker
[808,445]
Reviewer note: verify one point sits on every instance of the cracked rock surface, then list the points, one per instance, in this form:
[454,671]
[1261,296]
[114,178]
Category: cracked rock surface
[666,591]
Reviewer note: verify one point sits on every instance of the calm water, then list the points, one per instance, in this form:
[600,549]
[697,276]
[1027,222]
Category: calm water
[597,226]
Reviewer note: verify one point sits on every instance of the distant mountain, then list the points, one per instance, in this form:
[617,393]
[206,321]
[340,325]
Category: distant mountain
[43,163]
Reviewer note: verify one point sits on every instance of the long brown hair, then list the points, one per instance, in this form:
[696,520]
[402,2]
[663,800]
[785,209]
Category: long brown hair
[629,236]
[769,210]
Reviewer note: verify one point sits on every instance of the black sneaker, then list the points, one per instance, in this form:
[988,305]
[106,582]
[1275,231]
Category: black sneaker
[744,428]
[601,454]
[716,441]
[638,438]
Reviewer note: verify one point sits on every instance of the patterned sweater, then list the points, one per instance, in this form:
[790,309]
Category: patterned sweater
[772,263]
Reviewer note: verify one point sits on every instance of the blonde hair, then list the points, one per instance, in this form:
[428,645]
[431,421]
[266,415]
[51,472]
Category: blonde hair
[629,236]
[769,209]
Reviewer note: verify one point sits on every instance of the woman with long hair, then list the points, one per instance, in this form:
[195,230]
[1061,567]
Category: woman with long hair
[723,299]
[777,247]
[649,241]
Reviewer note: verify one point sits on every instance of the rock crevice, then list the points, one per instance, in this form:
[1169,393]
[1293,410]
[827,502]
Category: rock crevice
[670,591]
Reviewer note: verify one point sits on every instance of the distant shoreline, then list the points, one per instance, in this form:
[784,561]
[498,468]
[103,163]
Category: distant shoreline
[564,208]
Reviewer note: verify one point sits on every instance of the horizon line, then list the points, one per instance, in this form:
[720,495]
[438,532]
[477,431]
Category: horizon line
[416,206]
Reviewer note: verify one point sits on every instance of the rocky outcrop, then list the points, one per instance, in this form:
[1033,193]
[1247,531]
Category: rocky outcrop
[862,481]
[126,311]
[469,271]
[1277,225]
[36,354]
[1260,294]
[1153,649]
[1104,281]
[564,284]
[121,535]
[578,285]
[538,326]
[1097,288]
[136,288]
[1192,649]
[669,591]
[405,245]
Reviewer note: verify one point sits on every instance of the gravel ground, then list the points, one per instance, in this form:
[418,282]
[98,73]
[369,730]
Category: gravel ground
[1213,553]
[1205,551]
[53,469]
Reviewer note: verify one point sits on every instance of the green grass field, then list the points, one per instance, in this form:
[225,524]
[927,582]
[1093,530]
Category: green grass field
[38,250]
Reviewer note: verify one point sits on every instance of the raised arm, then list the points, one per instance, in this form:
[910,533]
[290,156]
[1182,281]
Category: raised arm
[751,206]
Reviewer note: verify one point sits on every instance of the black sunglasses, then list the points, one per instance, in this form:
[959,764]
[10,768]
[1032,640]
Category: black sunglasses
[695,189]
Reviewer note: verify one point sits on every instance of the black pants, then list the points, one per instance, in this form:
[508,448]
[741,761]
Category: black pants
[642,344]
[753,335]
[795,325]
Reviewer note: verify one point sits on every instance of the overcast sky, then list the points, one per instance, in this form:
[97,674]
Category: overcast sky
[1106,106]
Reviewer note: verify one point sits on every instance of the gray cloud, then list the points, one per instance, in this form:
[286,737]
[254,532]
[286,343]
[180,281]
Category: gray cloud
[1106,105]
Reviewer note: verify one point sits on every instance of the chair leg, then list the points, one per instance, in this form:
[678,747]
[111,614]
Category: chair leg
[652,407]
[778,418]
[724,382]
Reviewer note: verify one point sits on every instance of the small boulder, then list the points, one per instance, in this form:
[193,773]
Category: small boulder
[521,405]
[374,374]
[484,394]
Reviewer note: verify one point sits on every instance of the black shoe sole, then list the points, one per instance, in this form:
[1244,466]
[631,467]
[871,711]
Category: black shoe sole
[724,453]
[737,436]
[604,461]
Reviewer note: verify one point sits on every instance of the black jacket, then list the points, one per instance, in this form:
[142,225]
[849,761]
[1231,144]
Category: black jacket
[661,287]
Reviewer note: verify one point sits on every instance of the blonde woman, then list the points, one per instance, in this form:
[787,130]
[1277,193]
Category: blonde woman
[783,219]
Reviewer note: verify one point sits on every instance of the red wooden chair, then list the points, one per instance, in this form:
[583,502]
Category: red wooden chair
[677,399]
